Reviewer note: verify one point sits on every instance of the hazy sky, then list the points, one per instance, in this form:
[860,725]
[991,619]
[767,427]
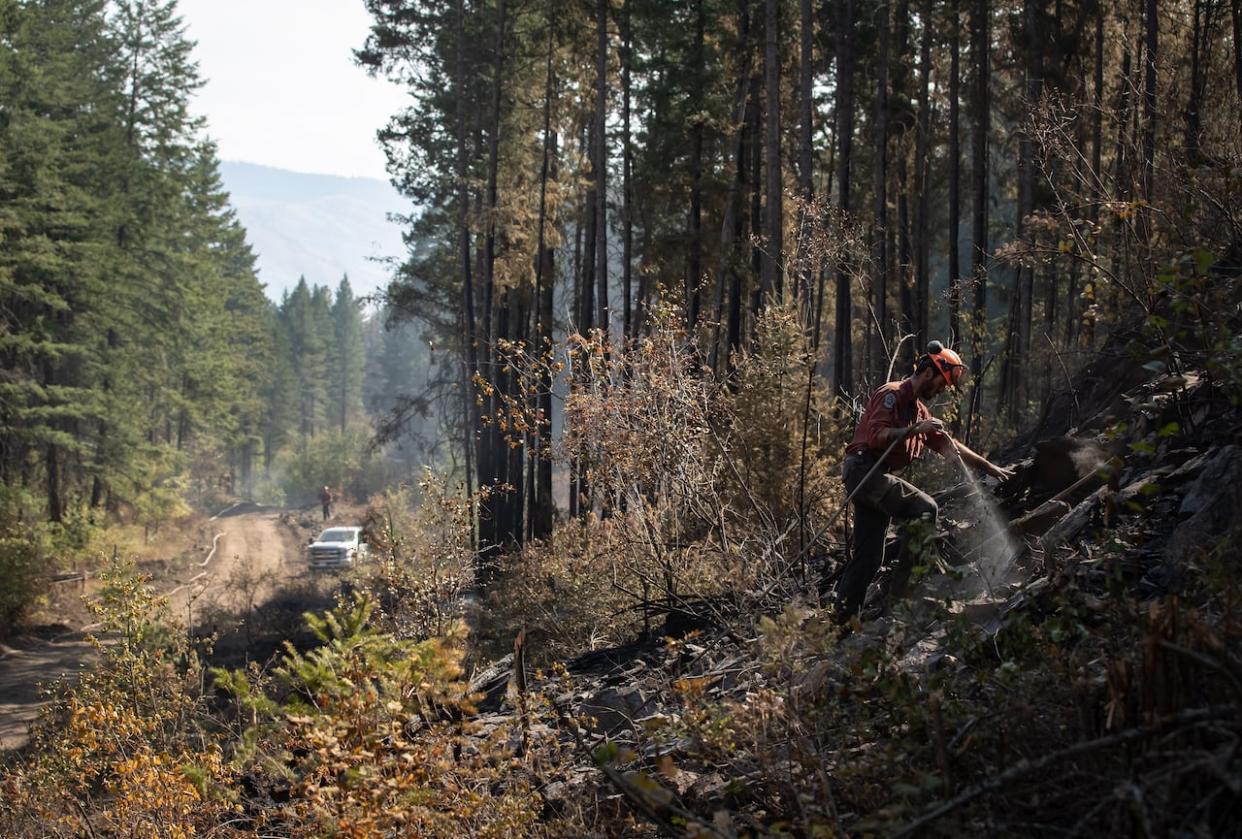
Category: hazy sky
[282,88]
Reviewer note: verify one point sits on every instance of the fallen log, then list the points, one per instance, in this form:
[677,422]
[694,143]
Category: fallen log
[1073,523]
[1078,518]
[1038,521]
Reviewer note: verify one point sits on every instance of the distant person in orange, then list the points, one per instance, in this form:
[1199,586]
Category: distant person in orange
[325,498]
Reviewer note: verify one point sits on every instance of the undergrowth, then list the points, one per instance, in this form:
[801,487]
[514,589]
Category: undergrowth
[1085,710]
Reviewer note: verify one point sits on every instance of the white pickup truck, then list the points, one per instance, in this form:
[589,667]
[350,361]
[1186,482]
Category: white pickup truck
[336,547]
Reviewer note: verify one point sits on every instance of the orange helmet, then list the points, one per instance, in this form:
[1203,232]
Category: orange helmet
[947,362]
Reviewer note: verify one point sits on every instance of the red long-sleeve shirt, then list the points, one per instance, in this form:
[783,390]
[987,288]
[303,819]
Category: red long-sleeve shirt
[894,405]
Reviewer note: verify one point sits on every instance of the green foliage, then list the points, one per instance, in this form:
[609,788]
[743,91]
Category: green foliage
[129,735]
[348,360]
[360,731]
[23,559]
[364,734]
[31,549]
[343,461]
[132,326]
[331,372]
[358,666]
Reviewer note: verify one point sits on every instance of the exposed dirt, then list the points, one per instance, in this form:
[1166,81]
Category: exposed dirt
[250,553]
[255,553]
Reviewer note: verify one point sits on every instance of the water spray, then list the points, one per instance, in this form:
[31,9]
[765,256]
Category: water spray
[994,528]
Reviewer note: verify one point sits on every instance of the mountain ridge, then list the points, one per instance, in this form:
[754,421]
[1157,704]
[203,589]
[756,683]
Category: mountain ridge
[321,227]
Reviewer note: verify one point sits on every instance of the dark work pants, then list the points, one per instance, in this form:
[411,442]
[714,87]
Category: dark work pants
[881,499]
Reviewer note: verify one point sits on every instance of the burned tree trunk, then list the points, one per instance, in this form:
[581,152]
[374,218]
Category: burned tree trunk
[627,171]
[842,354]
[955,177]
[1235,8]
[470,353]
[601,167]
[922,245]
[731,229]
[878,325]
[694,266]
[979,177]
[773,279]
[539,492]
[806,130]
[1151,28]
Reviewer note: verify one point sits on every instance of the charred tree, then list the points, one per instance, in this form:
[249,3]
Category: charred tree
[694,233]
[922,243]
[539,493]
[601,166]
[733,226]
[980,32]
[878,324]
[772,277]
[806,131]
[842,350]
[1235,8]
[627,174]
[471,350]
[1018,350]
[955,177]
[756,195]
[492,464]
[1151,29]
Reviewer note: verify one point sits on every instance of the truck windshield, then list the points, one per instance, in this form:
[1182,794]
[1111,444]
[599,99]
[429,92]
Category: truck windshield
[336,536]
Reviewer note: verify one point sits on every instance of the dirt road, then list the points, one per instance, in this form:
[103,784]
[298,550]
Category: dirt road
[254,553]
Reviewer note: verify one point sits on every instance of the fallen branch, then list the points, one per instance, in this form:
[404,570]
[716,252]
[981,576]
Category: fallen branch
[636,797]
[1070,526]
[1026,767]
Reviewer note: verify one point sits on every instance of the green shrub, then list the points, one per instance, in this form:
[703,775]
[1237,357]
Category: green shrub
[22,556]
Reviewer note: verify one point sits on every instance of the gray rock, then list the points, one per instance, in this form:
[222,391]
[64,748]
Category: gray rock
[1218,473]
[1214,503]
[617,709]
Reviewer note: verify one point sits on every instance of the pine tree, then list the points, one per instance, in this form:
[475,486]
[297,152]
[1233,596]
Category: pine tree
[307,323]
[278,390]
[53,135]
[347,359]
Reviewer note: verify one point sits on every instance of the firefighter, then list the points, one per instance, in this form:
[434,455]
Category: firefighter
[894,430]
[325,498]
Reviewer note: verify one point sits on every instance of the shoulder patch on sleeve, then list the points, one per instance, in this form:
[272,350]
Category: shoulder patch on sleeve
[890,399]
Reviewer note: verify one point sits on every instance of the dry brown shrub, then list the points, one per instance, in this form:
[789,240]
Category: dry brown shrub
[421,556]
[693,481]
[126,751]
